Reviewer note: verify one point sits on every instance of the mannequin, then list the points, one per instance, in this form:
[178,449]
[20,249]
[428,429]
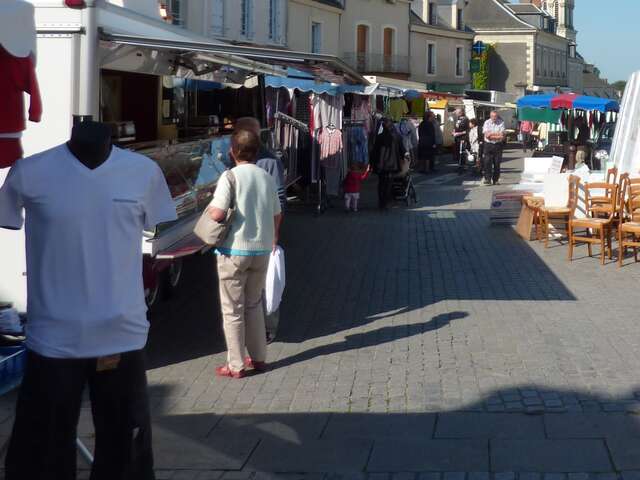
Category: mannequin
[90,143]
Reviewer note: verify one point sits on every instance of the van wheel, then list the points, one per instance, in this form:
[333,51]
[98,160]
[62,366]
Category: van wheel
[175,273]
[152,293]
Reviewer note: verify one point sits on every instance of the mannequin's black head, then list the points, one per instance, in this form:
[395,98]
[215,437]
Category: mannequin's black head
[90,143]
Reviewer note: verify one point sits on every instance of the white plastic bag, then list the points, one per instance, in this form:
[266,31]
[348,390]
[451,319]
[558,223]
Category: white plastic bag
[275,280]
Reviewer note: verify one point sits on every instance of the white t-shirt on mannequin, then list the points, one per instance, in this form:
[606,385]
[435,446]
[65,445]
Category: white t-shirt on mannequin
[84,258]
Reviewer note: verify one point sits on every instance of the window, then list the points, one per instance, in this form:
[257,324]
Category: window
[433,13]
[431,59]
[362,46]
[175,11]
[459,20]
[316,37]
[274,20]
[387,48]
[459,61]
[246,12]
[217,17]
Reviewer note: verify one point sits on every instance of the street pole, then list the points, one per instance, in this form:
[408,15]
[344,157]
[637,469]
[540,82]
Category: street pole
[88,82]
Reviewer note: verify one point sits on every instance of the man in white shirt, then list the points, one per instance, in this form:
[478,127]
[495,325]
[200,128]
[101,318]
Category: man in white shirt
[86,313]
[493,131]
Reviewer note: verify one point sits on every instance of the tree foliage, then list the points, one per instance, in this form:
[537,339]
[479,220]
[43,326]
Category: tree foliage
[620,85]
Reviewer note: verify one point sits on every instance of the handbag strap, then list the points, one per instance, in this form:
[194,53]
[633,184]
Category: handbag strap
[232,183]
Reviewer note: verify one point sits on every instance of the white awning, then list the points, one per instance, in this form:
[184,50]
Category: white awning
[134,42]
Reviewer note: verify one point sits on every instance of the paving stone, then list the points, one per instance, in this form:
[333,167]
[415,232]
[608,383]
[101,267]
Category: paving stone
[550,455]
[483,425]
[625,453]
[434,455]
[380,426]
[291,427]
[348,455]
[592,426]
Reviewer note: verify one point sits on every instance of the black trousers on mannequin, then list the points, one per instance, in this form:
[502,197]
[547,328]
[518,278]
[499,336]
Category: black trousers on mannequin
[43,444]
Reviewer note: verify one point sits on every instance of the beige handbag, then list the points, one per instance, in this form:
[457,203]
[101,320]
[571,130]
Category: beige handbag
[212,232]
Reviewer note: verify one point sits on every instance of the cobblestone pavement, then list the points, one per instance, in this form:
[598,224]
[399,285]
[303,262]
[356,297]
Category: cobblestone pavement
[415,340]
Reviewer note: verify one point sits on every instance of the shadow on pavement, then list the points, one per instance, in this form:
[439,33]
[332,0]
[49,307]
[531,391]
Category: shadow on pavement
[371,338]
[464,440]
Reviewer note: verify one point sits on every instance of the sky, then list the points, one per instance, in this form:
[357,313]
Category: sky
[608,35]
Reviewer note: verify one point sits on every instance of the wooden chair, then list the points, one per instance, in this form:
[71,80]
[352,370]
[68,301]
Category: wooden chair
[534,203]
[559,214]
[629,217]
[602,203]
[601,226]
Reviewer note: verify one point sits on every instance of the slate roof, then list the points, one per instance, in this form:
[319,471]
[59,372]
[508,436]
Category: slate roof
[418,22]
[493,15]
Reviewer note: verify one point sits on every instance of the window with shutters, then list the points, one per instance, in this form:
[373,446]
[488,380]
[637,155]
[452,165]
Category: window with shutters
[274,20]
[431,59]
[217,17]
[433,13]
[316,37]
[459,61]
[246,12]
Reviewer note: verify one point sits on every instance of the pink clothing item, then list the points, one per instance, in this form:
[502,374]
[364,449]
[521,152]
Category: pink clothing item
[330,141]
[526,126]
[353,182]
[18,76]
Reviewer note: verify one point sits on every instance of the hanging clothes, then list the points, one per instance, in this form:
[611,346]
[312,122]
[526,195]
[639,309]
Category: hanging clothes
[397,109]
[330,141]
[361,111]
[327,110]
[358,145]
[18,76]
[417,107]
[407,131]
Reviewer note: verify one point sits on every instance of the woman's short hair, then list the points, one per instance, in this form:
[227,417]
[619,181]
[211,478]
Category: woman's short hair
[245,145]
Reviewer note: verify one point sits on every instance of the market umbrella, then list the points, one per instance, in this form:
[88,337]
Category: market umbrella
[535,101]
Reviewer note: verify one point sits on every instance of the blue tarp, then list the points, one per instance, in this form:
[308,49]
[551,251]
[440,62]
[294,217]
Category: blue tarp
[303,81]
[536,101]
[580,102]
[595,103]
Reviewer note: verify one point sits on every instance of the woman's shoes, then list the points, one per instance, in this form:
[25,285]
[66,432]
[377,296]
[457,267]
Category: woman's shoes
[225,371]
[257,366]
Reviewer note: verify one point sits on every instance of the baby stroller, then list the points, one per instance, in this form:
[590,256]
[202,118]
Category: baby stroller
[403,188]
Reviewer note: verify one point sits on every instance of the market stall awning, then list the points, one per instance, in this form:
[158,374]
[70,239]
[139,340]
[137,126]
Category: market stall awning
[306,82]
[541,115]
[183,58]
[535,101]
[568,101]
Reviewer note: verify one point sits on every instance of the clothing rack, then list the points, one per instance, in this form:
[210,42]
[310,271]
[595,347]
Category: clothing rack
[292,121]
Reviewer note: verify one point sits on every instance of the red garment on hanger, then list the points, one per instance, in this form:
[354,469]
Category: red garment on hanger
[18,76]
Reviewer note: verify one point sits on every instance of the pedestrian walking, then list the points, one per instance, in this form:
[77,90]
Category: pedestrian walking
[270,163]
[243,258]
[387,154]
[526,129]
[475,144]
[352,185]
[493,132]
[427,143]
[461,138]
